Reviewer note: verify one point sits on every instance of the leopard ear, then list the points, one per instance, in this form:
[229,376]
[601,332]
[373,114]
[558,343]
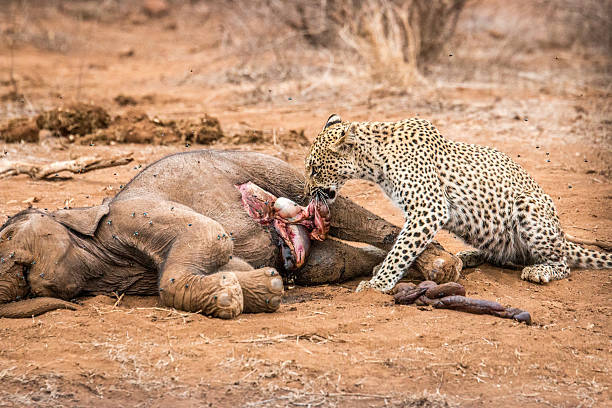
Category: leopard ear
[332,120]
[346,141]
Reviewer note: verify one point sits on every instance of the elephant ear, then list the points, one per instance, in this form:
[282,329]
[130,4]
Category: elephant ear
[83,220]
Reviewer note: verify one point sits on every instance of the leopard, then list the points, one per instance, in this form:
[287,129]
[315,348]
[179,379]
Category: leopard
[475,192]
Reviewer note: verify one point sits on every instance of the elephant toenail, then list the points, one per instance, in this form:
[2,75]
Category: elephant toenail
[275,302]
[276,284]
[225,300]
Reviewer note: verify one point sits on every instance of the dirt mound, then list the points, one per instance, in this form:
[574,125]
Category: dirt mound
[86,124]
[76,119]
[83,124]
[20,129]
[136,127]
[291,137]
[125,100]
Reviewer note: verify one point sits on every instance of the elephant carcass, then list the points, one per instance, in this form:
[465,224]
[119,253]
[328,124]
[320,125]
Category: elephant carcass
[179,230]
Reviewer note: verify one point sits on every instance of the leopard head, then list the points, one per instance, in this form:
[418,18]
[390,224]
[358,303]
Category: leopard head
[330,161]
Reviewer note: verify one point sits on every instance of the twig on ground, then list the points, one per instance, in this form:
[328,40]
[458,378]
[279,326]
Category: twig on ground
[314,338]
[119,298]
[172,313]
[42,171]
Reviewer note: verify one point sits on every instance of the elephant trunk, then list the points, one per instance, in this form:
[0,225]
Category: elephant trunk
[33,307]
[14,287]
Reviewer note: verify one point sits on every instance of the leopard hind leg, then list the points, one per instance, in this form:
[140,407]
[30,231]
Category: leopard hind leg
[540,235]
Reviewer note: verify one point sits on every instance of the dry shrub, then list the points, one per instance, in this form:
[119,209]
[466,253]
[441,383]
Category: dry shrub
[329,42]
[583,23]
[496,40]
[394,37]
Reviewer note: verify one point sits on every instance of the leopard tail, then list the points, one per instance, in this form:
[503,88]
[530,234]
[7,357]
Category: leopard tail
[581,257]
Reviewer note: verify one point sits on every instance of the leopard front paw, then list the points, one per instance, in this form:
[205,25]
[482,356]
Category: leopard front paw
[363,285]
[376,285]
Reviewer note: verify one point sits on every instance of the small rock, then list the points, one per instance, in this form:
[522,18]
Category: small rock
[126,52]
[155,8]
[30,200]
[124,100]
[45,134]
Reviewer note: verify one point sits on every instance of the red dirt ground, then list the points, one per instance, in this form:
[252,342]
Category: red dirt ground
[326,346]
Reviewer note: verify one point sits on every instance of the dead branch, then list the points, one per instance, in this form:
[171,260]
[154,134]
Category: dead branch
[80,165]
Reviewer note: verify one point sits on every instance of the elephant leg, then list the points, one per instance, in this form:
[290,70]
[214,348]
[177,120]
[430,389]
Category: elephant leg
[188,249]
[190,279]
[336,261]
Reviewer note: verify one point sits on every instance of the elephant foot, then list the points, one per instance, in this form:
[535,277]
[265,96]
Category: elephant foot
[216,295]
[262,290]
[228,300]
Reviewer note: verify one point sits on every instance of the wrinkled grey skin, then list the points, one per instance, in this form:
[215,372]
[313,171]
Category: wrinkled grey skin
[175,227]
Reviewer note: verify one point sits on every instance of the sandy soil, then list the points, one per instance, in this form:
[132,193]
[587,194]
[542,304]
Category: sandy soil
[327,346]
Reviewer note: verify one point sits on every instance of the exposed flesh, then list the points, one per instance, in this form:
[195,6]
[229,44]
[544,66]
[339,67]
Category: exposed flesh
[295,225]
